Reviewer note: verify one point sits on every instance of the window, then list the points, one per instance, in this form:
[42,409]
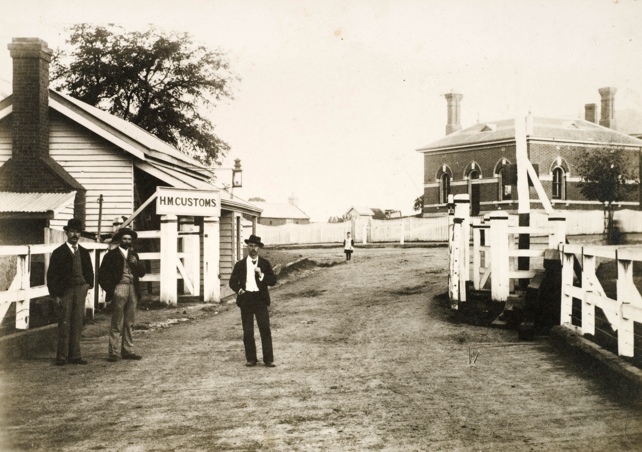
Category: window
[559,179]
[444,188]
[474,192]
[503,188]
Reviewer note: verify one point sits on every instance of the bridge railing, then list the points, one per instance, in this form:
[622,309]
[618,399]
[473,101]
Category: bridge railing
[621,312]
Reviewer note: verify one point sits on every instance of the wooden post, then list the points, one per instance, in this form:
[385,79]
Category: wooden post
[211,259]
[626,292]
[566,311]
[90,299]
[462,211]
[191,248]
[476,255]
[588,309]
[169,250]
[454,267]
[499,260]
[22,306]
[557,225]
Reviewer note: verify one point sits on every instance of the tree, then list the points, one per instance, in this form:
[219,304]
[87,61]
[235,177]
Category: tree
[608,177]
[162,82]
[419,204]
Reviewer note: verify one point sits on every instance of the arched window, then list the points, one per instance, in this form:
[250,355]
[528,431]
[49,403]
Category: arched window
[474,192]
[503,187]
[444,188]
[559,183]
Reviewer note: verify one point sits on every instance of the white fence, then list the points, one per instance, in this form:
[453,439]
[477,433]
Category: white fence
[433,229]
[620,312]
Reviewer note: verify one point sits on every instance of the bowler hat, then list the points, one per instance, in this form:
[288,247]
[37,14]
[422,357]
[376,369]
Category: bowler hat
[255,240]
[74,224]
[124,231]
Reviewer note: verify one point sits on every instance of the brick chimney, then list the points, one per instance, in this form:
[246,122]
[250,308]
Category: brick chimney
[590,113]
[30,115]
[454,119]
[30,168]
[608,107]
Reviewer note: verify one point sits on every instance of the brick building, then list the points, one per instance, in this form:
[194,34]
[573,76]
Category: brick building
[479,160]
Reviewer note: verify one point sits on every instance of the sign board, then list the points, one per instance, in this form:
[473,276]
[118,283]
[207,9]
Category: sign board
[185,202]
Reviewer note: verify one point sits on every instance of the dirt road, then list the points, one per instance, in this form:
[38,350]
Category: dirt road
[368,357]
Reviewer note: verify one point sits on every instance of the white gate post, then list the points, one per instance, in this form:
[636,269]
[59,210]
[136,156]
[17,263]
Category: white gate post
[499,256]
[566,311]
[588,309]
[626,292]
[169,250]
[462,212]
[22,306]
[211,259]
[191,249]
[557,222]
[454,267]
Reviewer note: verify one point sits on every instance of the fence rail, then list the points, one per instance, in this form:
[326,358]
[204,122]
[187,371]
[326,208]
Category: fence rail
[622,311]
[432,229]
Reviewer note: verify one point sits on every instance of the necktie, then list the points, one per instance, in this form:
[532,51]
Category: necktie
[253,262]
[75,247]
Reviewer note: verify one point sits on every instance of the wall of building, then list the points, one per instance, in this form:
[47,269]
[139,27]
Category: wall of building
[99,166]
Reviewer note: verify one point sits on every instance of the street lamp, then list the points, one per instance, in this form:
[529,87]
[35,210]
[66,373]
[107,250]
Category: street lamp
[237,174]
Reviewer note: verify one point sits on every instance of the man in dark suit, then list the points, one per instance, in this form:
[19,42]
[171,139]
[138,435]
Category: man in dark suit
[250,280]
[69,277]
[118,275]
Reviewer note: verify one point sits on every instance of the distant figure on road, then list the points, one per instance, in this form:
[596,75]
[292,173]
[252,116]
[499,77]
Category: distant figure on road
[348,246]
[69,277]
[118,276]
[250,280]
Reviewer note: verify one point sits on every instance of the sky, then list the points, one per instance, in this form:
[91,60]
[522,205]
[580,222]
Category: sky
[335,97]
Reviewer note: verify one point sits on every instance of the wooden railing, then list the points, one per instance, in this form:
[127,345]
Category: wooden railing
[495,257]
[621,312]
[20,291]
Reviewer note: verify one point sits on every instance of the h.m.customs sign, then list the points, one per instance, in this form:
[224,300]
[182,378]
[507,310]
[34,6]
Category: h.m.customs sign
[182,202]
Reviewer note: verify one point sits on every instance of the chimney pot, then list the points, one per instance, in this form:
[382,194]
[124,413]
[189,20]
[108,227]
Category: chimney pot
[454,116]
[590,113]
[608,107]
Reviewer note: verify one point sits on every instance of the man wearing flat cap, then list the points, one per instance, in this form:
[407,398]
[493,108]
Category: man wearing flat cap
[250,280]
[118,276]
[69,277]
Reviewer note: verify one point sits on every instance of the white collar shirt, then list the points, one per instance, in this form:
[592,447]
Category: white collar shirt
[71,247]
[250,279]
[123,251]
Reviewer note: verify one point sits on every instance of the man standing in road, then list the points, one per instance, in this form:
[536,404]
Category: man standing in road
[69,277]
[118,276]
[250,280]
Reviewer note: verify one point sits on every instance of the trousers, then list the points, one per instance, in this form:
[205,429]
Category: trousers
[70,322]
[122,319]
[252,306]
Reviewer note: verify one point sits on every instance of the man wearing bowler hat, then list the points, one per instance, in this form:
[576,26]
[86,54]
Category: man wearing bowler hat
[69,277]
[250,280]
[118,276]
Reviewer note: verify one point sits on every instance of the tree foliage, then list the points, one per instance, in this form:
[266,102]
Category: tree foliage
[419,203]
[607,175]
[162,82]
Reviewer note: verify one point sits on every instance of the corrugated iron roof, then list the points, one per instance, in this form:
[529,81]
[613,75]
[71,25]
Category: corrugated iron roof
[11,202]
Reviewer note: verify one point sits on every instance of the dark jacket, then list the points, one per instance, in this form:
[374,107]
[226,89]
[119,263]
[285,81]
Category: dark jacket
[237,280]
[111,271]
[59,274]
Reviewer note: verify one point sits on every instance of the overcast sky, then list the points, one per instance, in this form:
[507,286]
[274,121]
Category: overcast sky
[336,96]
